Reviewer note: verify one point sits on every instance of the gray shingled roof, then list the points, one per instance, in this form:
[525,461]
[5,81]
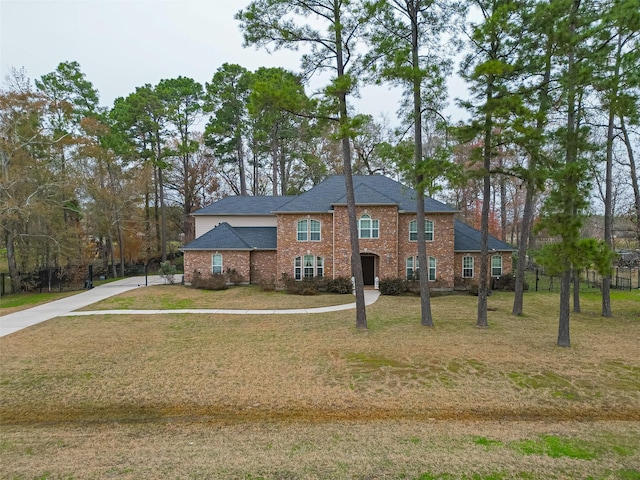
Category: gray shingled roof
[226,237]
[369,190]
[467,239]
[244,205]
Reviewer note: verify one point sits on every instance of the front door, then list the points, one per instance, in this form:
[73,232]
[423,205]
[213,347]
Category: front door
[368,269]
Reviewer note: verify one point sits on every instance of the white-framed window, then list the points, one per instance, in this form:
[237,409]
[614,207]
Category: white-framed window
[413,230]
[413,268]
[368,227]
[432,269]
[467,266]
[308,266]
[308,230]
[496,266]
[216,263]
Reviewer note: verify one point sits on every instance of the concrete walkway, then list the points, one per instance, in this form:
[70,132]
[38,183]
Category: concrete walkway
[67,306]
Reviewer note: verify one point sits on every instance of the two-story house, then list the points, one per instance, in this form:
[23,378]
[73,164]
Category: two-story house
[307,235]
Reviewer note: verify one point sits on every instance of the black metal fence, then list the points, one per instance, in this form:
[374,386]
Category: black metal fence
[622,279]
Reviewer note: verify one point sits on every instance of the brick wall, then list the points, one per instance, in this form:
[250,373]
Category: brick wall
[507,264]
[289,247]
[441,247]
[200,261]
[263,266]
[385,247]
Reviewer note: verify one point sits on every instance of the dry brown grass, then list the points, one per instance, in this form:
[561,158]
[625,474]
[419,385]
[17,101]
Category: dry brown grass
[235,298]
[311,397]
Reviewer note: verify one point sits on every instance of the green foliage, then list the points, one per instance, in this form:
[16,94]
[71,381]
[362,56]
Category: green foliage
[556,447]
[393,286]
[167,271]
[306,286]
[583,253]
[340,285]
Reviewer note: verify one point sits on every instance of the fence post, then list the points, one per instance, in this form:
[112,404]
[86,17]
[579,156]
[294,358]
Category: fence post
[537,279]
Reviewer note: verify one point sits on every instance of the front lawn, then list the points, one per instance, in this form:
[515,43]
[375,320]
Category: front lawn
[309,396]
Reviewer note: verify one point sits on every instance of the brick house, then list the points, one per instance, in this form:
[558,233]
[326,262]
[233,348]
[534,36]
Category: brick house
[307,235]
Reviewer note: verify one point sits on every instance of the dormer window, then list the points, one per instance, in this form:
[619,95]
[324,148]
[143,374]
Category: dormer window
[413,230]
[368,227]
[308,230]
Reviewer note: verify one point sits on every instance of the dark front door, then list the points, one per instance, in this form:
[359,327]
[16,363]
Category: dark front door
[368,269]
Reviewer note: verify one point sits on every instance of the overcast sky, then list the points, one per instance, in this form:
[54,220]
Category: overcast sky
[123,44]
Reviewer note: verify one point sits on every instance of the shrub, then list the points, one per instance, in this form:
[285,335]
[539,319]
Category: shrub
[507,283]
[234,277]
[268,285]
[306,286]
[168,272]
[340,285]
[393,286]
[212,281]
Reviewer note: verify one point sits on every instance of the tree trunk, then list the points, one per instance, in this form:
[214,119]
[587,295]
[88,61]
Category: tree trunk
[483,287]
[608,201]
[14,273]
[571,156]
[275,160]
[121,247]
[356,262]
[564,339]
[112,254]
[525,227]
[241,169]
[163,216]
[576,290]
[634,176]
[525,240]
[425,295]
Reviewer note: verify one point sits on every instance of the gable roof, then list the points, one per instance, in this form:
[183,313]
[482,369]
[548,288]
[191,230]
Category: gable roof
[225,237]
[467,239]
[244,205]
[368,190]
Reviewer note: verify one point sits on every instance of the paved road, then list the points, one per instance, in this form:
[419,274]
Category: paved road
[67,306]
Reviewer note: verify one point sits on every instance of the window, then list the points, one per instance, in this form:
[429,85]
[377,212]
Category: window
[413,270]
[308,266]
[410,267]
[413,230]
[467,266]
[496,266]
[216,263]
[309,230]
[368,228]
[432,269]
[314,230]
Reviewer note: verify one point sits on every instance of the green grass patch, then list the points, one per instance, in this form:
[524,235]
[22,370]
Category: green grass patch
[31,299]
[556,384]
[487,442]
[556,447]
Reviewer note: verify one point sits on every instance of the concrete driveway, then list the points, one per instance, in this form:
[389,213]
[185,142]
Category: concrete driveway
[67,306]
[25,318]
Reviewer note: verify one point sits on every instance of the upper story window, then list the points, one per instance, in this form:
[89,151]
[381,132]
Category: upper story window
[368,227]
[413,268]
[216,263]
[496,266]
[428,230]
[308,266]
[467,266]
[309,230]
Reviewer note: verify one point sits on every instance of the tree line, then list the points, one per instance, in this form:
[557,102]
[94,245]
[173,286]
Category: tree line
[553,118]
